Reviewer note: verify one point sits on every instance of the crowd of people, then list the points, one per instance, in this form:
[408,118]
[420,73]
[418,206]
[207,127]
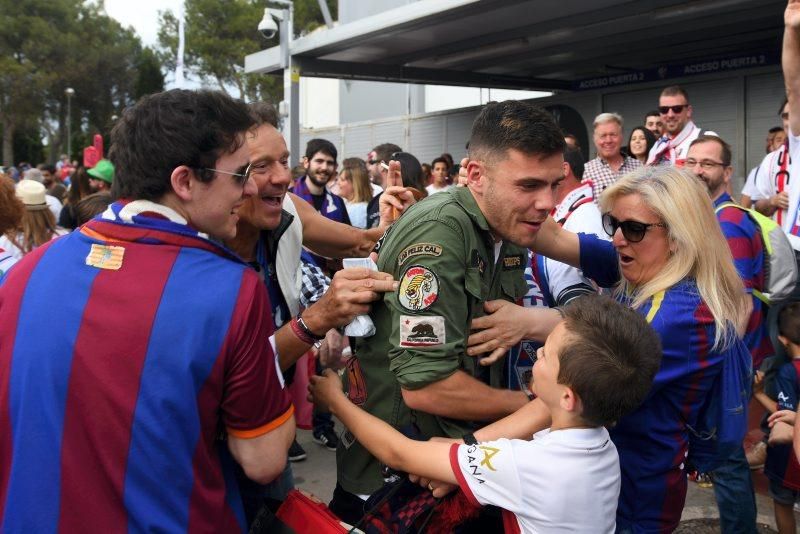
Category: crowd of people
[533,342]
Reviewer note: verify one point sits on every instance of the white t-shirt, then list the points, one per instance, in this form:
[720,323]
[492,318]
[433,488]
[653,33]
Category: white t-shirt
[6,262]
[674,150]
[357,212]
[9,248]
[561,481]
[586,218]
[432,189]
[794,190]
[750,188]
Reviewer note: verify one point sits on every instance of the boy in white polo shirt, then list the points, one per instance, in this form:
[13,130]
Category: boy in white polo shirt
[597,365]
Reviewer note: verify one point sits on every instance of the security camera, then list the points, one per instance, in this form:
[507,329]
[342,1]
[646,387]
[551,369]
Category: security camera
[268,27]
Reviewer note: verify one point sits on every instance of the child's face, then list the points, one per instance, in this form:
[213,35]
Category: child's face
[544,382]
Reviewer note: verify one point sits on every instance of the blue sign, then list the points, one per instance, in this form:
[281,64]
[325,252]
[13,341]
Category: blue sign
[705,66]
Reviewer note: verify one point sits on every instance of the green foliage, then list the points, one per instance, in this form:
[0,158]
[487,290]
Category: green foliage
[49,45]
[149,78]
[218,35]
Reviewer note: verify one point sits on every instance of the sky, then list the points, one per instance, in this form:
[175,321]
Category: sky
[142,15]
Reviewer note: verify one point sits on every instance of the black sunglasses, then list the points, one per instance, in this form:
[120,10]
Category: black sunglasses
[632,231]
[675,109]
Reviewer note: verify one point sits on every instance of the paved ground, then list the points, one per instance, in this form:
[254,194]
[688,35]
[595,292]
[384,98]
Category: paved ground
[317,475]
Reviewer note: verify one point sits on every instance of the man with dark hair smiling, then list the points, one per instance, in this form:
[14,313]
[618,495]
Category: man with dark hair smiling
[163,343]
[451,253]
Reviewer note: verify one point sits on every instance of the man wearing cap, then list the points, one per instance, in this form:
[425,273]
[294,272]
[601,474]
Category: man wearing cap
[101,176]
[128,412]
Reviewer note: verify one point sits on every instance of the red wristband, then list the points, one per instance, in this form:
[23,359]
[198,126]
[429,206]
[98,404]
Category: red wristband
[301,334]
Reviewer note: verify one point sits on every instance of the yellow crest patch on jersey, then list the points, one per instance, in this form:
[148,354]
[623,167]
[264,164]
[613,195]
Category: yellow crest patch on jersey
[105,257]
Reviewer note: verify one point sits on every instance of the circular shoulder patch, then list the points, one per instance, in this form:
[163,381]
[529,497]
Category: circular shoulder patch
[419,288]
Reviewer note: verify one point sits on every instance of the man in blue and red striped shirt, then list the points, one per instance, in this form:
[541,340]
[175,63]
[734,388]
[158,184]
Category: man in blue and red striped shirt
[709,157]
[111,418]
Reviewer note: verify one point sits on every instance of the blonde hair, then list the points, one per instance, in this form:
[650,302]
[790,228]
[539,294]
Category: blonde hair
[355,172]
[699,250]
[36,228]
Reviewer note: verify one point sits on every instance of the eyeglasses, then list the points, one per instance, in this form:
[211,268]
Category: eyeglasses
[632,231]
[705,164]
[785,115]
[675,109]
[373,161]
[241,177]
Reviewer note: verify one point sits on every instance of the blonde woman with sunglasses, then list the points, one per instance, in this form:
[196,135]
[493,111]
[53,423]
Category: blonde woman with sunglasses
[669,261]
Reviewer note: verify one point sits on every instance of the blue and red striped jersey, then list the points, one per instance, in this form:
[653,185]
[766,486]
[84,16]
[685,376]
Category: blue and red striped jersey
[652,441]
[126,350]
[782,465]
[747,247]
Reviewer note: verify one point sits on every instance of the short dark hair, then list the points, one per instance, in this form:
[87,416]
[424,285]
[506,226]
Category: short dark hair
[440,160]
[512,124]
[165,130]
[609,359]
[321,145]
[789,322]
[727,155]
[675,90]
[384,151]
[652,113]
[574,157]
[263,113]
[88,207]
[410,171]
[775,129]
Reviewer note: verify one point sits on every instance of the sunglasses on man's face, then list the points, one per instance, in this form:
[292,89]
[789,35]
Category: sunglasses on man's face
[675,109]
[632,231]
[785,115]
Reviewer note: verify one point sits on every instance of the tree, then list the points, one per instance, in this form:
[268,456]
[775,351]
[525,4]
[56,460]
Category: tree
[218,35]
[49,45]
[149,79]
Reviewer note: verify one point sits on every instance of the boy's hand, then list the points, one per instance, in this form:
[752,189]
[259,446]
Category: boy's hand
[791,17]
[782,416]
[780,434]
[324,390]
[437,488]
[758,382]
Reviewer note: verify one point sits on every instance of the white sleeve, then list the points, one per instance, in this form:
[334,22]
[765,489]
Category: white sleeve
[764,183]
[487,473]
[749,188]
[560,276]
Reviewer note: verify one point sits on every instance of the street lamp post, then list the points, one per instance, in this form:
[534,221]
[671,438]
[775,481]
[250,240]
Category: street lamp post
[70,92]
[290,107]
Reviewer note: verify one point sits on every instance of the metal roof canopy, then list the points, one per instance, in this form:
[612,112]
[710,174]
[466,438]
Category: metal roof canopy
[523,44]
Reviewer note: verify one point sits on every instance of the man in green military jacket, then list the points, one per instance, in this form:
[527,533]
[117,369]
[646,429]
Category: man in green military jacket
[451,253]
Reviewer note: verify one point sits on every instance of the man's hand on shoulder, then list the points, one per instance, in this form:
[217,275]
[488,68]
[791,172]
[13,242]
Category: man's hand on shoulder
[350,294]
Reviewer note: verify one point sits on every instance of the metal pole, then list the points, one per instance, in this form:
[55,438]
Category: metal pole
[69,91]
[291,87]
